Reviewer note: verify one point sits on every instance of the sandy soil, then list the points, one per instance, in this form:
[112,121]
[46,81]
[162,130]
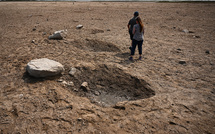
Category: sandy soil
[172,90]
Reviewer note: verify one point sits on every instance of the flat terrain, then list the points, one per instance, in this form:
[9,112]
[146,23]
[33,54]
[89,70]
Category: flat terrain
[171,90]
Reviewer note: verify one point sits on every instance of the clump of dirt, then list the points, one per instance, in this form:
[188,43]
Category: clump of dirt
[95,45]
[109,85]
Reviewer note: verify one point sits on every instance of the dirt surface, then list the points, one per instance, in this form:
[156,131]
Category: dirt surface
[172,90]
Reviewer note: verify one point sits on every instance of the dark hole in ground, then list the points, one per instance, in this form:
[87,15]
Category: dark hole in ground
[109,85]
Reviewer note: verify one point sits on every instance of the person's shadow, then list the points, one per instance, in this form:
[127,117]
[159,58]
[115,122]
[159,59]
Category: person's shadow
[124,57]
[30,79]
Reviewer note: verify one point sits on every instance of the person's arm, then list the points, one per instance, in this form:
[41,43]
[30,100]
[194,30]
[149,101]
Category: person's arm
[128,25]
[133,30]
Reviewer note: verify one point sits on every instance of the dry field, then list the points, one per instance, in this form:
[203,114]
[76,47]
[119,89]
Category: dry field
[172,90]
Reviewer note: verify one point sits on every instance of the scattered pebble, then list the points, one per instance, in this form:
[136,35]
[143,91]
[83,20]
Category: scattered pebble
[79,119]
[60,80]
[21,95]
[185,30]
[182,62]
[79,26]
[34,29]
[207,52]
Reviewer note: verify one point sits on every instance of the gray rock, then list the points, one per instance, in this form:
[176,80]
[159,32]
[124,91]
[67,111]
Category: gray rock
[79,26]
[185,30]
[56,36]
[97,93]
[72,71]
[44,68]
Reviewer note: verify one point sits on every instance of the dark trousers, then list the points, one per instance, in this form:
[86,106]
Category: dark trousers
[131,34]
[134,44]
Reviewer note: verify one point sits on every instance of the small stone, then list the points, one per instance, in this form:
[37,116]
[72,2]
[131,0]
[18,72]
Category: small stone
[70,83]
[33,41]
[60,80]
[185,30]
[56,36]
[72,71]
[97,93]
[108,29]
[85,87]
[182,62]
[64,82]
[207,52]
[79,26]
[75,89]
[21,95]
[34,29]
[79,119]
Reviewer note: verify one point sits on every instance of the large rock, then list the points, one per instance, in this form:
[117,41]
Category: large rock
[44,68]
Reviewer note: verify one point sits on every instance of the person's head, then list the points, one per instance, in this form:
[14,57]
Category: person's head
[136,14]
[139,21]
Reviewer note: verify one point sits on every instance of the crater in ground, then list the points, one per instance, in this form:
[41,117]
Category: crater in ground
[109,85]
[94,45]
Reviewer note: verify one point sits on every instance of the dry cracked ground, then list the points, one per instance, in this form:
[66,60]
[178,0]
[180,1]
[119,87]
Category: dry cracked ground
[172,90]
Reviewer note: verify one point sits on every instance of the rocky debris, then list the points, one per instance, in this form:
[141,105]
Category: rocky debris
[44,67]
[58,35]
[69,83]
[72,71]
[79,26]
[84,87]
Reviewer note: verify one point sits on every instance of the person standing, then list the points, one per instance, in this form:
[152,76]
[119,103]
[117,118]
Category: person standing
[131,23]
[138,32]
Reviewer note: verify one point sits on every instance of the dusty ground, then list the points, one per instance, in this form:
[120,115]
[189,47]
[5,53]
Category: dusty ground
[172,90]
